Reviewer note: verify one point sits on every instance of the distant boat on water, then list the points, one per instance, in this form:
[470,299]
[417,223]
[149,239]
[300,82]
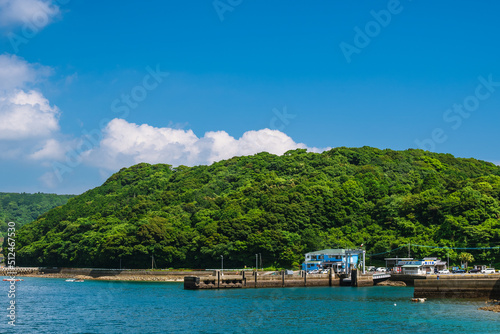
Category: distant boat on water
[13,279]
[74,280]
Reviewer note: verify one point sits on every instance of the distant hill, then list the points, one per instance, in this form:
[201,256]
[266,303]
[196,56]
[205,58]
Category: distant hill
[278,206]
[24,208]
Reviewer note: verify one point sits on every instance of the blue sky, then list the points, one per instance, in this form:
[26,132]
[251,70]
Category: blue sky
[89,87]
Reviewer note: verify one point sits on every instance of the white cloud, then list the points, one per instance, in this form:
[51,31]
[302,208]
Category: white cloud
[29,124]
[222,146]
[125,144]
[24,113]
[27,115]
[49,179]
[37,13]
[51,149]
[16,73]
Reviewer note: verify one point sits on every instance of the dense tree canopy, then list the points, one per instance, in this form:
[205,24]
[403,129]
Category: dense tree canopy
[24,208]
[279,206]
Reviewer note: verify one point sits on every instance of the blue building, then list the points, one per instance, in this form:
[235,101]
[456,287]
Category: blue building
[340,260]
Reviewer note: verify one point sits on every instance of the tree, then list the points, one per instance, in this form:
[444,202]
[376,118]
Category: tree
[466,257]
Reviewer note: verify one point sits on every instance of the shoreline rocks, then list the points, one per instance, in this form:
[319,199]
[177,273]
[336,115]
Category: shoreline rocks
[391,283]
[495,307]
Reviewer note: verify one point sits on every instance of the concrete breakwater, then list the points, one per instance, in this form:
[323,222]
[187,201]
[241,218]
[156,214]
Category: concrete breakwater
[459,286]
[282,279]
[6,271]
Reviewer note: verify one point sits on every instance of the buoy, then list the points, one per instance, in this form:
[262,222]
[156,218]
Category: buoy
[394,304]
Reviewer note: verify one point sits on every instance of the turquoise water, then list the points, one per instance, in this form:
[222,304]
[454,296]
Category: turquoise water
[55,306]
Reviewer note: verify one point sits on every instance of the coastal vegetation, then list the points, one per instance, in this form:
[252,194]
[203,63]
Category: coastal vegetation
[278,206]
[466,258]
[24,208]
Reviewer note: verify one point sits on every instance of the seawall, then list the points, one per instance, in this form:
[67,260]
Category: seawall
[459,286]
[409,280]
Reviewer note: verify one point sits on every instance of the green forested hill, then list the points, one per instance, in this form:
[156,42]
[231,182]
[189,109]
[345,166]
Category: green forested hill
[24,208]
[279,206]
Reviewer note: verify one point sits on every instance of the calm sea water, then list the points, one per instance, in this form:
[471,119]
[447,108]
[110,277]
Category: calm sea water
[55,306]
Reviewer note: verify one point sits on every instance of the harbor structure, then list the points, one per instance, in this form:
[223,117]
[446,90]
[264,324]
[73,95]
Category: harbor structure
[284,279]
[484,286]
[429,265]
[339,260]
[391,263]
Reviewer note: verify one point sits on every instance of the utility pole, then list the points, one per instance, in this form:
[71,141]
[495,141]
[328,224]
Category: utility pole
[347,262]
[364,271]
[152,259]
[256,262]
[409,244]
[222,263]
[260,257]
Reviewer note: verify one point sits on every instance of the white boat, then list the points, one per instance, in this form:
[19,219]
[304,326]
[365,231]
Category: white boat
[70,280]
[419,300]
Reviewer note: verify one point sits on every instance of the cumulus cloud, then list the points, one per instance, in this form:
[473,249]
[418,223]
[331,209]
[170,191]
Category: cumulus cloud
[51,149]
[124,144]
[26,115]
[29,124]
[38,13]
[17,73]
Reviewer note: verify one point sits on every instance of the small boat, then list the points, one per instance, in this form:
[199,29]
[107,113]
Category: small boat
[74,280]
[418,300]
[13,279]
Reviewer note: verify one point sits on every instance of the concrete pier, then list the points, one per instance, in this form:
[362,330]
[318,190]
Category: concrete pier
[277,279]
[459,286]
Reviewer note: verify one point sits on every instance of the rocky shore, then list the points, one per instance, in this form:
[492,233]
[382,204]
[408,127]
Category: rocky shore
[391,283]
[493,307]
